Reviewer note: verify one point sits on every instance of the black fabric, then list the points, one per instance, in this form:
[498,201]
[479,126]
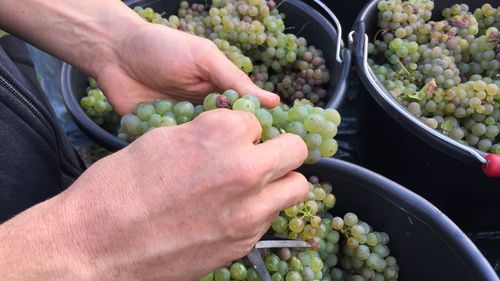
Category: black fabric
[37,160]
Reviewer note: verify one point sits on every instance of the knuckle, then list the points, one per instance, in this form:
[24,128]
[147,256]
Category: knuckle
[248,173]
[208,44]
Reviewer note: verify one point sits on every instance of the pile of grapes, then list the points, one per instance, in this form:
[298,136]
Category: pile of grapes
[315,125]
[446,72]
[342,248]
[96,106]
[251,33]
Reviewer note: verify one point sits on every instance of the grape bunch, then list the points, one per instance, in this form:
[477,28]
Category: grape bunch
[251,33]
[342,248]
[445,72]
[315,125]
[487,16]
[96,106]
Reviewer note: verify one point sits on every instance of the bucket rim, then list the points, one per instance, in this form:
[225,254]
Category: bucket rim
[412,203]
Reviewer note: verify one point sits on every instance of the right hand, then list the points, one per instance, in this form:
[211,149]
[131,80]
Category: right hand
[179,202]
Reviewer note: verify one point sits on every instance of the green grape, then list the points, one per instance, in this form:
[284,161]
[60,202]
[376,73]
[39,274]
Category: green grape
[243,104]
[154,120]
[184,109]
[254,99]
[208,277]
[182,119]
[252,275]
[277,276]
[314,123]
[292,211]
[283,266]
[333,237]
[269,133]
[238,271]
[167,121]
[296,225]
[313,140]
[87,102]
[350,219]
[232,95]
[293,276]
[337,223]
[209,101]
[131,124]
[222,274]
[328,148]
[93,83]
[329,201]
[316,264]
[271,262]
[265,118]
[362,252]
[333,116]
[144,111]
[280,225]
[297,113]
[295,264]
[164,106]
[296,128]
[313,156]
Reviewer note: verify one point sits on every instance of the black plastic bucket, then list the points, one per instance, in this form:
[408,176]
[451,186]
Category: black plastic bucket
[427,245]
[313,26]
[396,144]
[366,27]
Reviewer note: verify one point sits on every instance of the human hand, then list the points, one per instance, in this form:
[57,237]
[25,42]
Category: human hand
[170,206]
[155,62]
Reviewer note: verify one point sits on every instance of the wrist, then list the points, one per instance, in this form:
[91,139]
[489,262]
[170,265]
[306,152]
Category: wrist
[107,39]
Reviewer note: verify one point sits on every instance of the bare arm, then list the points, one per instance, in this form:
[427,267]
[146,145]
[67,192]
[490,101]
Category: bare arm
[132,60]
[152,211]
[85,33]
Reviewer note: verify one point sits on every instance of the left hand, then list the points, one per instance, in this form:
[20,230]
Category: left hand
[156,62]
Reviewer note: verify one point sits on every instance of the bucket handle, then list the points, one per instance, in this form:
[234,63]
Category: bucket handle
[337,26]
[359,40]
[342,56]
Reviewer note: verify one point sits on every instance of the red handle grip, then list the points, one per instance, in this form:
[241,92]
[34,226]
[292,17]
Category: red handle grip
[492,167]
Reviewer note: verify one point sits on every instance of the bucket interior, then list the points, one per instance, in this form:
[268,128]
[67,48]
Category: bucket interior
[301,20]
[426,244]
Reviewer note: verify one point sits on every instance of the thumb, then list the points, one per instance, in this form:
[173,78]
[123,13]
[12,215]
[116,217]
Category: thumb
[225,75]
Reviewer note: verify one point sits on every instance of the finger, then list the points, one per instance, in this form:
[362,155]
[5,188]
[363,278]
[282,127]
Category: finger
[198,90]
[240,124]
[281,155]
[226,75]
[287,191]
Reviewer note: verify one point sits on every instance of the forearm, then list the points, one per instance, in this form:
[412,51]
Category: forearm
[84,33]
[33,247]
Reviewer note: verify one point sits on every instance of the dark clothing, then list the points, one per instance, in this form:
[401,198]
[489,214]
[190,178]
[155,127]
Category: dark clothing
[37,161]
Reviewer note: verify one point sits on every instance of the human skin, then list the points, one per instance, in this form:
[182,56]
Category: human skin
[179,201]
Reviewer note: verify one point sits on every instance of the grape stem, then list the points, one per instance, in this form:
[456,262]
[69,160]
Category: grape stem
[380,31]
[404,68]
[277,6]
[302,28]
[305,214]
